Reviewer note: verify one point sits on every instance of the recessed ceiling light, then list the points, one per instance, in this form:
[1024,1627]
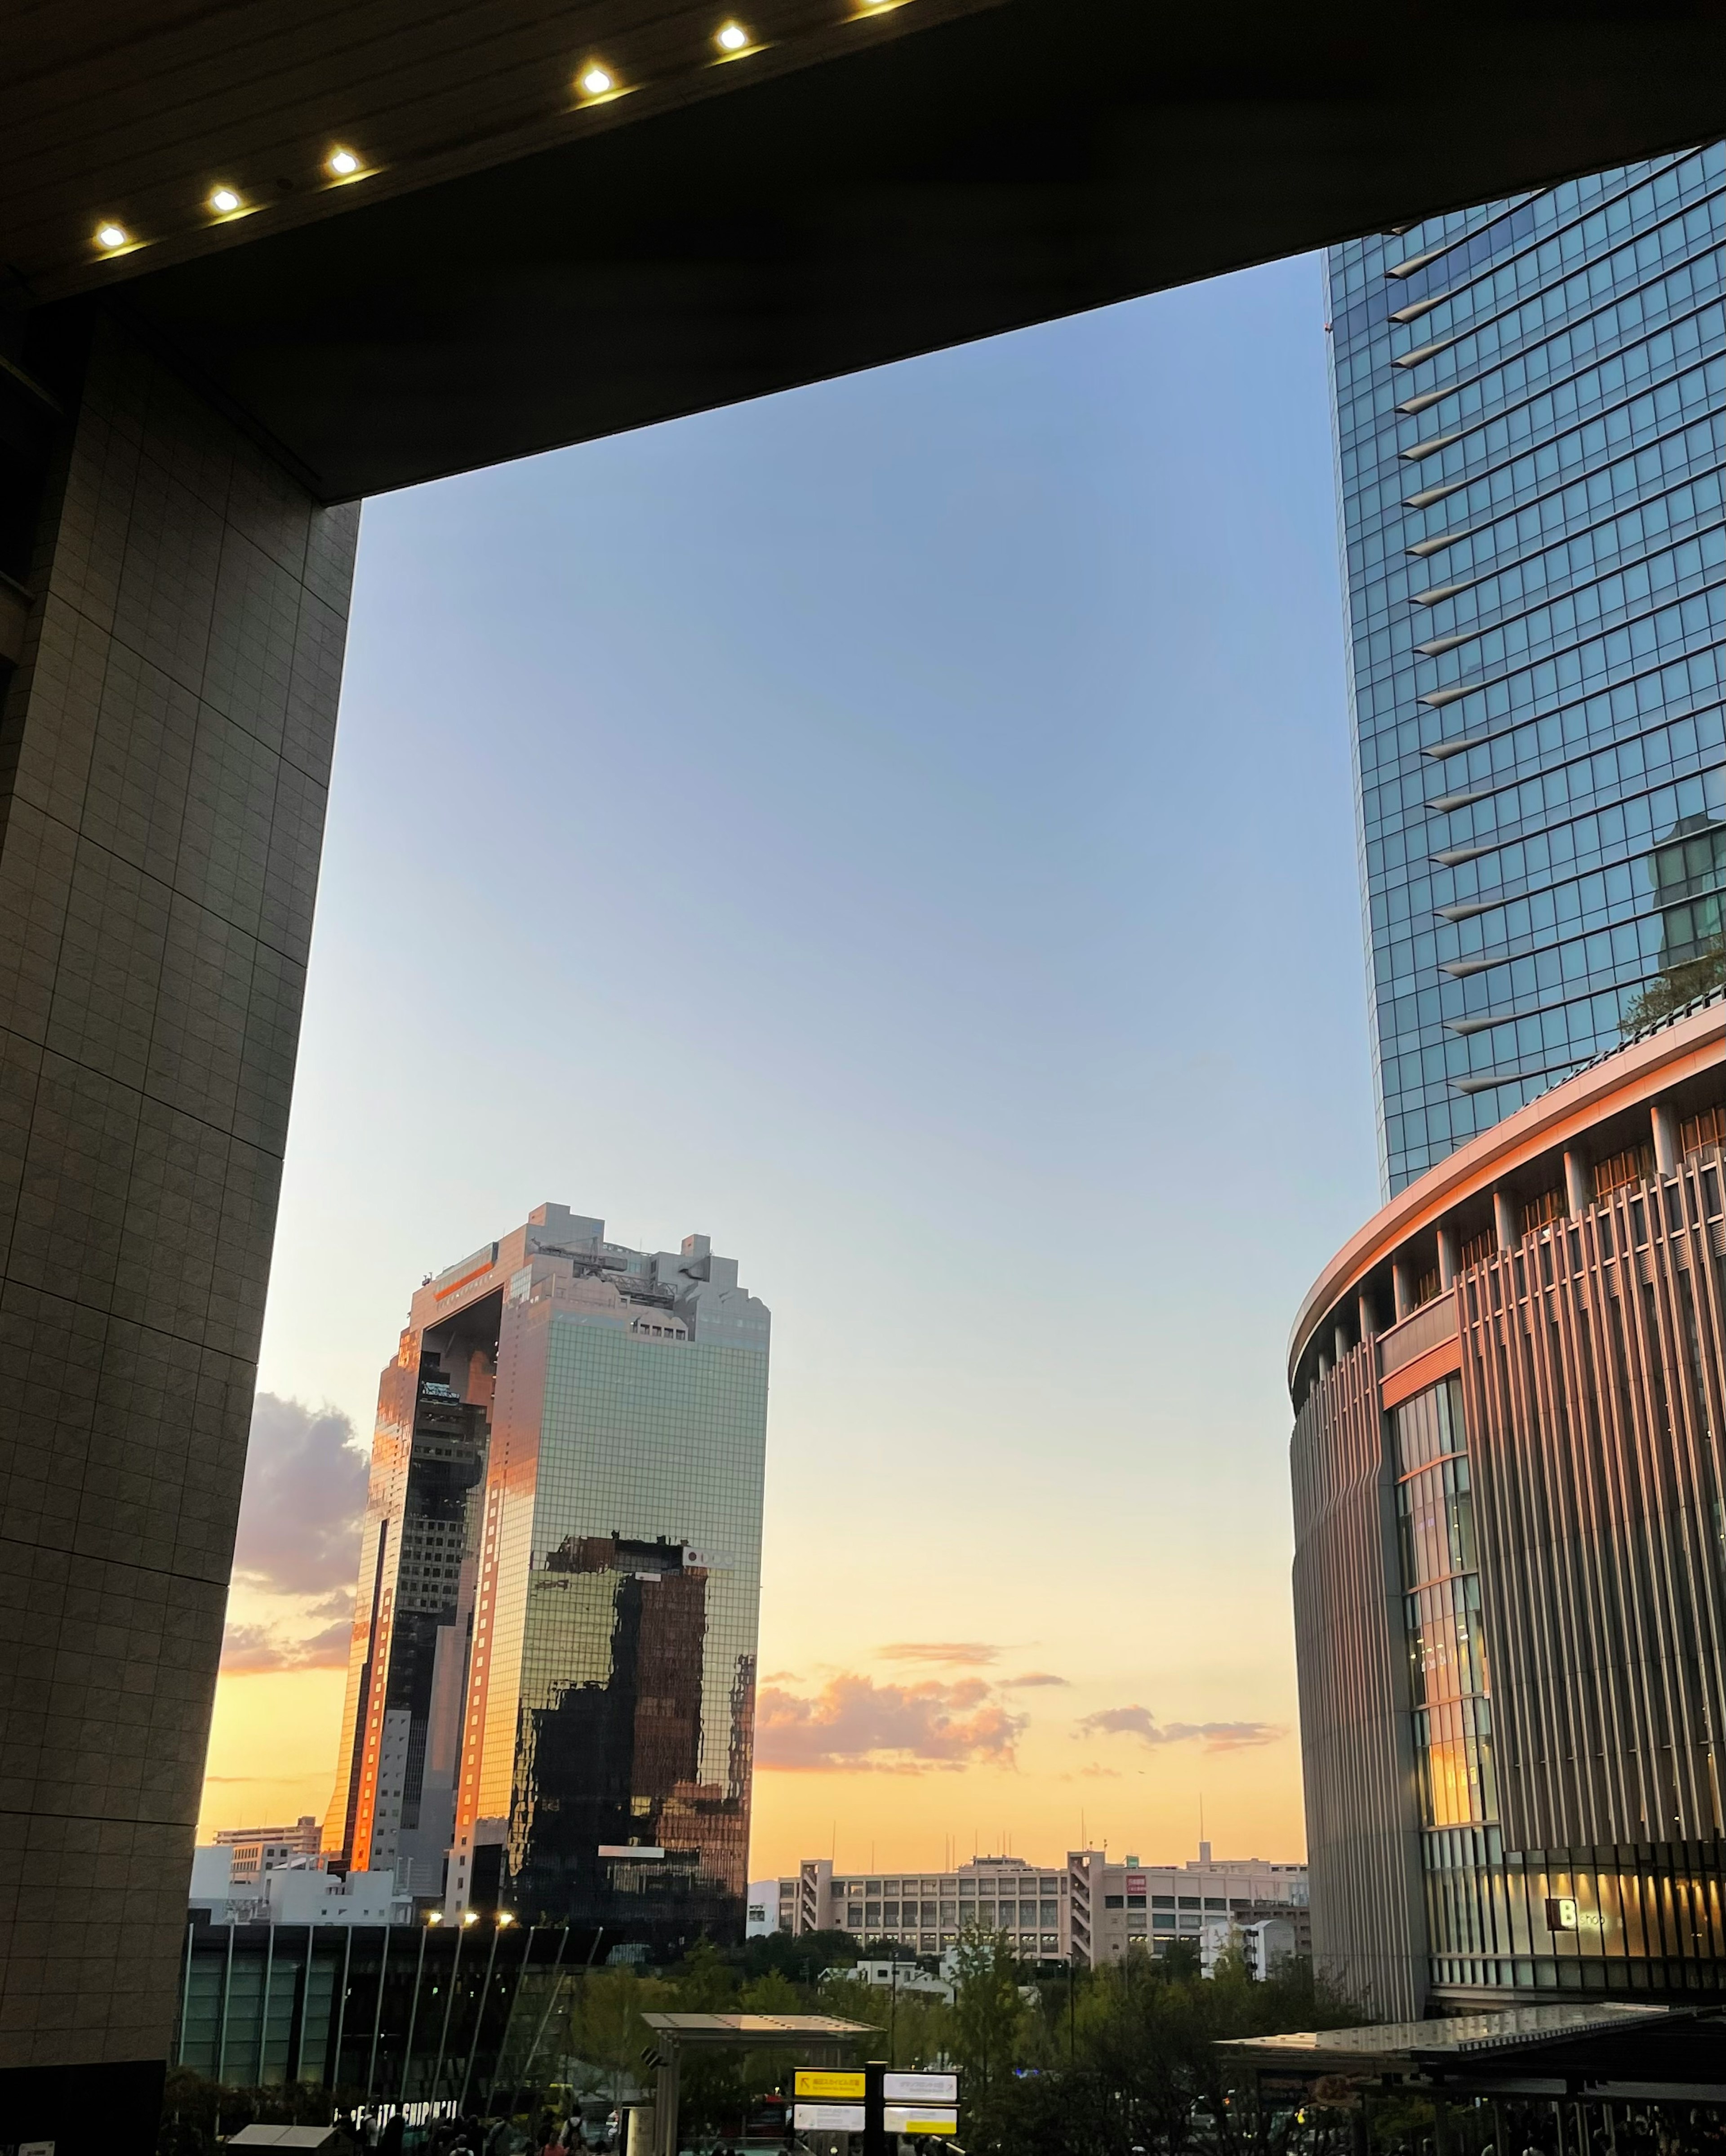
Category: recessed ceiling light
[732,38]
[110,236]
[224,199]
[342,162]
[596,81]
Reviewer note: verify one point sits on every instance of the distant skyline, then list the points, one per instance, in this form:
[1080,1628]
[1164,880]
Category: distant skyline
[903,830]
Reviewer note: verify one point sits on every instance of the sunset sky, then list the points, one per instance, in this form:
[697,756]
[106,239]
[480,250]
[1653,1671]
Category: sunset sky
[902,830]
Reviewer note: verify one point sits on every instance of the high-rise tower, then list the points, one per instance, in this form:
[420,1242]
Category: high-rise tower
[1530,404]
[552,1674]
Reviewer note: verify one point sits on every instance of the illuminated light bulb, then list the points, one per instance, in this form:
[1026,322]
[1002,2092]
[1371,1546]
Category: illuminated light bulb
[471,1917]
[342,162]
[110,236]
[224,199]
[596,81]
[504,1917]
[732,38]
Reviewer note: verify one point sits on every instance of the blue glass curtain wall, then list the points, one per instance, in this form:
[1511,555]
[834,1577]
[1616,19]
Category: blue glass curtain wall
[1530,406]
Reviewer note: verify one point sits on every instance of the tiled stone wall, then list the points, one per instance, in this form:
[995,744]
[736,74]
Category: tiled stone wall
[164,753]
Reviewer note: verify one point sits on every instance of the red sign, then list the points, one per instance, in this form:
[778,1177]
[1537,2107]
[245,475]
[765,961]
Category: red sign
[1135,1882]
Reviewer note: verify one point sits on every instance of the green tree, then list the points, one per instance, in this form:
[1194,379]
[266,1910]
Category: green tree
[987,2014]
[705,1983]
[801,1959]
[1125,2057]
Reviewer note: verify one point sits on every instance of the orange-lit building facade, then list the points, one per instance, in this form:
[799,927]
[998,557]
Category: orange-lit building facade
[1509,1470]
[552,1682]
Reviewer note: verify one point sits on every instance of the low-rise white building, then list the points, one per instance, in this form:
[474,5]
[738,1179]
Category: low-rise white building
[301,1892]
[1093,1907]
[761,1909]
[1264,1946]
[897,1976]
[257,1850]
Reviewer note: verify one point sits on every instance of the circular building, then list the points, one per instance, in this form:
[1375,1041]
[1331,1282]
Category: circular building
[1509,1470]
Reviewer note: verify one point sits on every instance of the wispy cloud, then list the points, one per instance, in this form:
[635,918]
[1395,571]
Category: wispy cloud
[852,1724]
[305,1492]
[964,1653]
[1032,1679]
[1215,1736]
[249,1649]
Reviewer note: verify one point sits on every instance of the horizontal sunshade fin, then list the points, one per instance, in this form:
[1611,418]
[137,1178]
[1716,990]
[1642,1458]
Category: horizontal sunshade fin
[1410,262]
[1422,547]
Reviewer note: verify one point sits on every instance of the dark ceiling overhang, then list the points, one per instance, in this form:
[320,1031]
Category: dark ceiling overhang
[860,190]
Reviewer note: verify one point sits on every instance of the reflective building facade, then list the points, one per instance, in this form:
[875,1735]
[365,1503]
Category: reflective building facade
[551,1684]
[1509,1469]
[1530,404]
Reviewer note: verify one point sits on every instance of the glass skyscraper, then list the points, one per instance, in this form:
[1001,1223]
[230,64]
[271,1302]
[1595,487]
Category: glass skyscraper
[552,1688]
[1530,406]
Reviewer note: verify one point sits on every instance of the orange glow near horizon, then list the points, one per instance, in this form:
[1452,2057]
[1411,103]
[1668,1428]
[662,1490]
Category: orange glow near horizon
[273,1752]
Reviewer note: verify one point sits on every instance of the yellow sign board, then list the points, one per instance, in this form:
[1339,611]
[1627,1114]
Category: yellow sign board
[812,2082]
[920,2118]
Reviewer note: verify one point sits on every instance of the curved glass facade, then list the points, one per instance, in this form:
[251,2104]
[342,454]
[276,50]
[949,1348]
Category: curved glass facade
[1509,1470]
[1448,1689]
[1530,405]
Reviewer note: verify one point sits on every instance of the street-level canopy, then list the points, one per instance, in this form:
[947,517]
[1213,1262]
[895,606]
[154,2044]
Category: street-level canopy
[756,2031]
[822,2037]
[1605,2052]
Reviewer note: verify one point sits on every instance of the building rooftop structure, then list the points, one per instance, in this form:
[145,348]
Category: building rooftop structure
[297,1891]
[259,1849]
